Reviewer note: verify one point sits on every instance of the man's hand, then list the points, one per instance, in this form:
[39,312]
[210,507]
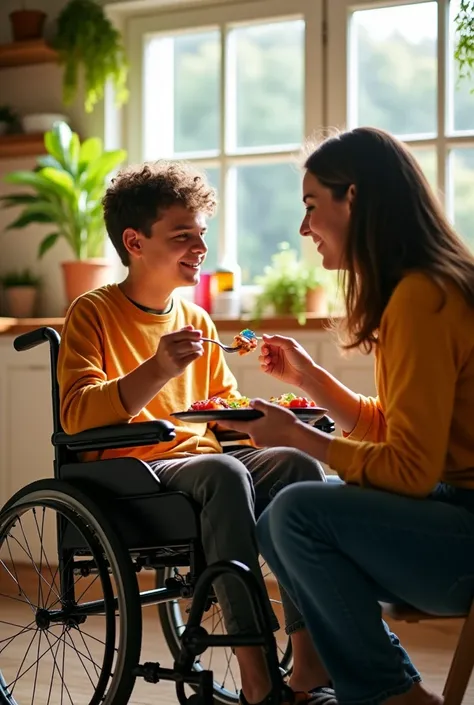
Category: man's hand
[177,350]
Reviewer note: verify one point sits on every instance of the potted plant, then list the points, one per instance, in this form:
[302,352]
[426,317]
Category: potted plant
[21,289]
[86,37]
[9,121]
[27,24]
[65,191]
[464,49]
[290,287]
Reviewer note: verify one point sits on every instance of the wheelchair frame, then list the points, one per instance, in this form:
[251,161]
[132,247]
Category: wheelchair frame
[103,482]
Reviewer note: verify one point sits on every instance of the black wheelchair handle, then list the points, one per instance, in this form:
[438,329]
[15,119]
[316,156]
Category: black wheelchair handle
[29,340]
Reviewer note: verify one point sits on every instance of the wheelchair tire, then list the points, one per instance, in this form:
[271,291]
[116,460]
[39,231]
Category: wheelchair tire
[100,554]
[172,624]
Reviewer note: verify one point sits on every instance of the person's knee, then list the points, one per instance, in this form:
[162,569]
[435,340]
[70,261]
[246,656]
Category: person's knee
[227,477]
[294,466]
[288,508]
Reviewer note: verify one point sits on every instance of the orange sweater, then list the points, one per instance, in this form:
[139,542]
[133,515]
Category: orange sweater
[104,337]
[419,430]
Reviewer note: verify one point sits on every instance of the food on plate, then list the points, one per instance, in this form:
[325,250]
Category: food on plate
[209,404]
[246,341]
[288,400]
[291,401]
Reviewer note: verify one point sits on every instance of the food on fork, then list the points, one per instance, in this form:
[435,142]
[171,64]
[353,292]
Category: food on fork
[246,341]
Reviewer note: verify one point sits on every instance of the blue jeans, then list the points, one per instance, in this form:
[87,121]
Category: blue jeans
[339,549]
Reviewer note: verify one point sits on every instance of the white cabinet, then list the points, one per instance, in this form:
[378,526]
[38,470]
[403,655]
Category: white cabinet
[26,453]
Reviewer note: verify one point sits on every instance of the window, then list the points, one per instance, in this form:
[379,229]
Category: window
[236,87]
[401,76]
[229,89]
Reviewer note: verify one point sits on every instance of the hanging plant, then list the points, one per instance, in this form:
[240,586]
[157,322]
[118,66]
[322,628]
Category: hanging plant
[85,36]
[464,49]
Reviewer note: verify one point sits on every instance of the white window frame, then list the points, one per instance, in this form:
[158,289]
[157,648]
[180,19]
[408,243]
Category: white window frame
[339,96]
[224,16]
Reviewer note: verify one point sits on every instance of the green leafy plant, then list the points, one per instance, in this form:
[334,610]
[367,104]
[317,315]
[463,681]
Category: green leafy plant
[68,184]
[285,283]
[19,278]
[85,36]
[464,49]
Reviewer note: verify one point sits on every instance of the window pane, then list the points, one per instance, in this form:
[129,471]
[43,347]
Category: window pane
[182,94]
[212,237]
[428,162]
[462,98]
[266,107]
[269,211]
[394,68]
[462,190]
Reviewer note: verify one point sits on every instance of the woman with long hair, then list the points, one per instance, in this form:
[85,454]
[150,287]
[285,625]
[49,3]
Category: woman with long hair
[396,522]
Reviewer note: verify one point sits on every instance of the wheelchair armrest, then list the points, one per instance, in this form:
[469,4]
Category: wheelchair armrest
[118,436]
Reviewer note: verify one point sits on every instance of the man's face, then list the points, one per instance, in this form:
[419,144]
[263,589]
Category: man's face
[176,249]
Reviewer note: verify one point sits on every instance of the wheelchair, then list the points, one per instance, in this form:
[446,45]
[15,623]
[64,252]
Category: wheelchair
[88,533]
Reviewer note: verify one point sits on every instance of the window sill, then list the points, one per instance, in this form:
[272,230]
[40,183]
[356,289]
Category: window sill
[17,326]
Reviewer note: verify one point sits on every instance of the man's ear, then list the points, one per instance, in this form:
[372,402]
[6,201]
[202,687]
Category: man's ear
[132,241]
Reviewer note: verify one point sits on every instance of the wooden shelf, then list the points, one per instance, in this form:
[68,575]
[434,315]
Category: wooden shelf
[21,146]
[26,54]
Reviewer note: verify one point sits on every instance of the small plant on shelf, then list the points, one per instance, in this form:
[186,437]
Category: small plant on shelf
[288,284]
[65,192]
[19,278]
[21,290]
[9,120]
[85,37]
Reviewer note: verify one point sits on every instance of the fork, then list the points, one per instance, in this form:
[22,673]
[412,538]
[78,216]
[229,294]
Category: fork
[225,348]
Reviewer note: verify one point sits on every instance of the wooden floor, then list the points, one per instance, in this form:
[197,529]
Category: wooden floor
[430,646]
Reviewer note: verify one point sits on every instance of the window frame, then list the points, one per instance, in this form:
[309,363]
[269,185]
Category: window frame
[338,100]
[225,16]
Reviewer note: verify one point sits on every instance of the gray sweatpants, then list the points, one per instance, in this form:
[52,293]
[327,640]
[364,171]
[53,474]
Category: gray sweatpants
[233,488]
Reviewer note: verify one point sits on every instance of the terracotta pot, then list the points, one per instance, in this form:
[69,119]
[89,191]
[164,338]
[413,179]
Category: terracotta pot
[316,301]
[84,275]
[27,24]
[21,301]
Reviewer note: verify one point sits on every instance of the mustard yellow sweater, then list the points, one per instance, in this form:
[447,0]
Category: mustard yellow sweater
[419,430]
[105,336]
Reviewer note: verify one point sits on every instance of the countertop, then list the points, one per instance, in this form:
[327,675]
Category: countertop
[17,326]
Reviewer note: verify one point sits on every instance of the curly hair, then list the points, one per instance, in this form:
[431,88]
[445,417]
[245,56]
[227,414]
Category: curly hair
[139,195]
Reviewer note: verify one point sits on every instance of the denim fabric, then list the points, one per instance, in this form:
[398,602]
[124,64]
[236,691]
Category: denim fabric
[339,550]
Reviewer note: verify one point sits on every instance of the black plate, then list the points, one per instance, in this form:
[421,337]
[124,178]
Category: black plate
[307,415]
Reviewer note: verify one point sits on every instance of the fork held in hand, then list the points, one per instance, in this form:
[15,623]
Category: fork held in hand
[225,348]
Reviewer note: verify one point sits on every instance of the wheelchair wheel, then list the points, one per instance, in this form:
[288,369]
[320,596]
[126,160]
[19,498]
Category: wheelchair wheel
[221,660]
[71,615]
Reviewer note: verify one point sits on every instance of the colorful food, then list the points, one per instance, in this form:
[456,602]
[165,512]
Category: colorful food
[246,341]
[209,404]
[289,400]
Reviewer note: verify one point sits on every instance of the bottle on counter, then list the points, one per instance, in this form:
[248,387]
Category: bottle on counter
[226,300]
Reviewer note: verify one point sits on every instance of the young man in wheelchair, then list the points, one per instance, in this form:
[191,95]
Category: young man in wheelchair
[133,352]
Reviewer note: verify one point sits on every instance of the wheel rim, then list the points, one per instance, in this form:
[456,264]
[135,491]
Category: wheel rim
[28,531]
[227,687]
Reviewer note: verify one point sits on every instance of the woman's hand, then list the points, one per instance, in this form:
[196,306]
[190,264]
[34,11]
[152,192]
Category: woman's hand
[285,359]
[274,428]
[280,427]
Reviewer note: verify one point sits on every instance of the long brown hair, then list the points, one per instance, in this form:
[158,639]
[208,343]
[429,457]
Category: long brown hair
[397,225]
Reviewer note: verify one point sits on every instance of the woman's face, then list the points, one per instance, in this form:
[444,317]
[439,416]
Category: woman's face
[326,221]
